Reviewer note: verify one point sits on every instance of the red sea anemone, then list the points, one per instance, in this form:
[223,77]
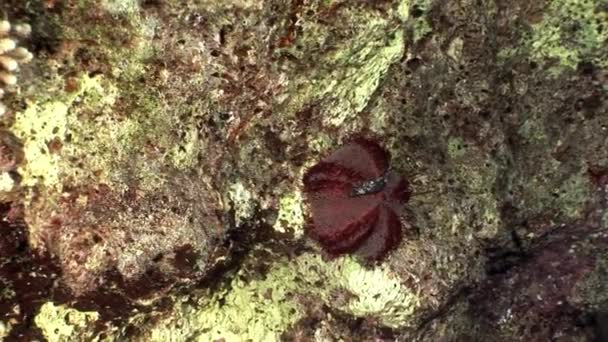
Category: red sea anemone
[355,201]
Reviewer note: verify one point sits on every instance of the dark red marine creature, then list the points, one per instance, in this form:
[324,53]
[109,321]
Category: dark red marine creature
[355,200]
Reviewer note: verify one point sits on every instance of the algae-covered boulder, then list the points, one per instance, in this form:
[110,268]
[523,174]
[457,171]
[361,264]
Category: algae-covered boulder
[152,155]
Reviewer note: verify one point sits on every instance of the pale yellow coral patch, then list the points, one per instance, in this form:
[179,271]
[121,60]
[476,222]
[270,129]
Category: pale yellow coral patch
[60,323]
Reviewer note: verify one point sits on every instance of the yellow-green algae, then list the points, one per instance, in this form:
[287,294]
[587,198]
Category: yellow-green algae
[352,90]
[184,156]
[476,172]
[86,115]
[565,188]
[37,126]
[242,200]
[60,323]
[352,70]
[291,214]
[103,124]
[261,309]
[52,120]
[93,125]
[570,31]
[5,329]
[403,10]
[320,143]
[456,147]
[7,184]
[125,7]
[41,123]
[421,25]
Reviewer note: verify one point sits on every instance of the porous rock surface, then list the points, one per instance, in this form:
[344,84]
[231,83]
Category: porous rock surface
[153,156]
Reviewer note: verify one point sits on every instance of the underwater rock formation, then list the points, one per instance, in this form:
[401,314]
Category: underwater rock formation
[153,156]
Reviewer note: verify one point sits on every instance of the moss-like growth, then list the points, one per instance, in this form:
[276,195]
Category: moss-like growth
[569,32]
[352,68]
[94,137]
[419,21]
[290,216]
[4,329]
[242,200]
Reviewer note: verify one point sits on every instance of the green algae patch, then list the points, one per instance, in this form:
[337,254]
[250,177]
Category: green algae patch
[47,122]
[375,292]
[420,24]
[549,189]
[352,68]
[183,156]
[605,219]
[37,126]
[569,195]
[256,310]
[477,173]
[127,7]
[570,31]
[44,127]
[121,19]
[60,323]
[351,91]
[545,183]
[573,194]
[242,200]
[291,214]
[456,147]
[92,140]
[261,309]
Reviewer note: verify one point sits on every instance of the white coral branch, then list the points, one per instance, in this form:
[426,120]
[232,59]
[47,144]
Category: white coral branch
[11,55]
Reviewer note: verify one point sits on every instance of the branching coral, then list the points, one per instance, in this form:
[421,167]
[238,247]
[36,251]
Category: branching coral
[11,55]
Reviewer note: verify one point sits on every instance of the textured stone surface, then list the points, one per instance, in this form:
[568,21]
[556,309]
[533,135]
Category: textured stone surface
[155,151]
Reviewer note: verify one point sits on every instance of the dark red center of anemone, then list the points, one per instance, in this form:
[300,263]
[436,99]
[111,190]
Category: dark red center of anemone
[355,200]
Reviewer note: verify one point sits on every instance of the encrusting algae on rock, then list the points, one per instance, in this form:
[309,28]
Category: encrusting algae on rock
[161,145]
